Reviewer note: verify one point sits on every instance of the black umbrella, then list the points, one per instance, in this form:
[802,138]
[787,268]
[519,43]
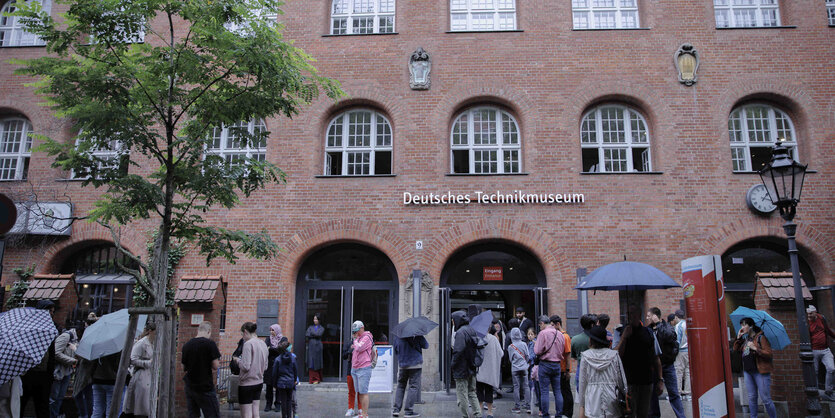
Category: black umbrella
[413,326]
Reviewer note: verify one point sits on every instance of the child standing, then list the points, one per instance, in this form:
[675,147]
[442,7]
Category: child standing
[533,370]
[518,354]
[286,377]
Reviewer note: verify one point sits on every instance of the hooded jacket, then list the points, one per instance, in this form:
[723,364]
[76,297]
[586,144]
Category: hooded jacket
[362,351]
[517,351]
[601,371]
[409,351]
[463,347]
[284,371]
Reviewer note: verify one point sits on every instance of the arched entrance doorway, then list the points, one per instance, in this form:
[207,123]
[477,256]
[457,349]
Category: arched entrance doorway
[498,276]
[344,283]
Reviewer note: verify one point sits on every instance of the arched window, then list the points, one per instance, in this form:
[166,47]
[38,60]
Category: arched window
[477,15]
[258,14]
[358,143]
[11,27]
[614,139]
[753,131]
[227,142]
[485,140]
[605,14]
[109,155]
[15,148]
[746,13]
[354,17]
[102,286]
[830,11]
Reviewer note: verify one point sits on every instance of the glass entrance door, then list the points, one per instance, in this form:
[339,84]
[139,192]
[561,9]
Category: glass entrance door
[329,305]
[372,308]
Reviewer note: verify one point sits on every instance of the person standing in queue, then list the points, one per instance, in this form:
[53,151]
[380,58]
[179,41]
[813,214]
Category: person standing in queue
[757,366]
[550,346]
[565,370]
[361,363]
[201,359]
[277,344]
[253,362]
[409,352]
[315,350]
[463,364]
[138,396]
[489,375]
[639,353]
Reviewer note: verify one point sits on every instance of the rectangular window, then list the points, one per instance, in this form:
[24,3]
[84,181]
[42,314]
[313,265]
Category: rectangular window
[511,161]
[340,26]
[8,168]
[486,161]
[615,159]
[757,118]
[333,165]
[640,159]
[482,15]
[461,161]
[746,13]
[363,25]
[359,129]
[484,127]
[359,163]
[830,11]
[382,162]
[613,126]
[605,14]
[738,158]
[591,160]
[360,17]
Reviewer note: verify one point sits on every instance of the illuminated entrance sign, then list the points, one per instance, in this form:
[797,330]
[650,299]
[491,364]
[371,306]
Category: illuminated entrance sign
[485,198]
[493,274]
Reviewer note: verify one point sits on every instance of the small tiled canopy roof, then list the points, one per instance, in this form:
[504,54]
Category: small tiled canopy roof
[47,286]
[780,285]
[197,289]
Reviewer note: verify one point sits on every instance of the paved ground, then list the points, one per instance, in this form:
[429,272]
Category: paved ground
[331,400]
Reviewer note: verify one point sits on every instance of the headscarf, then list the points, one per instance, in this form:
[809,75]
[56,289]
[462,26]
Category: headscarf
[275,339]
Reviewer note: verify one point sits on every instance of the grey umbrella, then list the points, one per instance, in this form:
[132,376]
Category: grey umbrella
[107,335]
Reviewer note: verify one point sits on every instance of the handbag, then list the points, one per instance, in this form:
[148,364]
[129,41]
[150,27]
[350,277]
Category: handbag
[623,402]
[537,359]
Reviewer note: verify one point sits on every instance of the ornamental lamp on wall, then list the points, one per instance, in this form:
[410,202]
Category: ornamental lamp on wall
[419,68]
[687,64]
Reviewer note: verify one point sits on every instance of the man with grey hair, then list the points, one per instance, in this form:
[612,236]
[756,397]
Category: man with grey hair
[201,359]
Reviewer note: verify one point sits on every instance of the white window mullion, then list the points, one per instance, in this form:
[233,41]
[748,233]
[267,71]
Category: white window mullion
[601,162]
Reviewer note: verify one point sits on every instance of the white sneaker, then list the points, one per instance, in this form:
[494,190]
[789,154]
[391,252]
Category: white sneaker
[350,412]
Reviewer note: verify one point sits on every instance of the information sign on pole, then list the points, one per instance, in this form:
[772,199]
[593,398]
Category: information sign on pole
[382,375]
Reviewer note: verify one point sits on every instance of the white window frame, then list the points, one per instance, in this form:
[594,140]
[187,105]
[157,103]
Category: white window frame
[499,147]
[740,139]
[228,151]
[593,9]
[260,14]
[344,119]
[728,8]
[114,152]
[468,10]
[21,156]
[628,145]
[830,12]
[12,30]
[350,15]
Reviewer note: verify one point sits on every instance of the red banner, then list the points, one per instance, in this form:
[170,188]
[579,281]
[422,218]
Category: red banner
[493,274]
[707,339]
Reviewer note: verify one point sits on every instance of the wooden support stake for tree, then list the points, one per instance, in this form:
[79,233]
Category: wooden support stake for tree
[124,362]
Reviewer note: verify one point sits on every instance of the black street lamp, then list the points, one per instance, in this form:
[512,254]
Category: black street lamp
[783,178]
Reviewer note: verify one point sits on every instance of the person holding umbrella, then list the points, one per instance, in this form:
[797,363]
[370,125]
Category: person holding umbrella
[409,343]
[36,381]
[756,365]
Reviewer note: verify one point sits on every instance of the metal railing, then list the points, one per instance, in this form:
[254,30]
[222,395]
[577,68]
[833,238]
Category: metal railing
[223,373]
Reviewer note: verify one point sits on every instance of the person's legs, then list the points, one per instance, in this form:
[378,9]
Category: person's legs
[462,396]
[751,388]
[640,396]
[270,391]
[544,401]
[654,405]
[192,403]
[686,376]
[555,386]
[41,393]
[283,396]
[538,390]
[210,404]
[764,389]
[56,395]
[352,393]
[567,394]
[414,387]
[671,383]
[108,398]
[99,402]
[517,389]
[402,380]
[829,364]
[246,410]
[471,397]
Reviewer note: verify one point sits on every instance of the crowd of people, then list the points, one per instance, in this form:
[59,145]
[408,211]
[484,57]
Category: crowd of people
[639,359]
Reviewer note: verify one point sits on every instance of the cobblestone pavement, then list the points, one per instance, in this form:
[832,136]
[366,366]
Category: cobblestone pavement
[331,401]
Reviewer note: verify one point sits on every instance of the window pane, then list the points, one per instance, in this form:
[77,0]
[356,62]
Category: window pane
[588,130]
[335,133]
[735,126]
[359,129]
[639,130]
[460,161]
[629,19]
[509,132]
[640,159]
[722,19]
[359,163]
[615,159]
[484,126]
[382,162]
[340,7]
[459,22]
[581,20]
[383,133]
[386,24]
[613,126]
[459,131]
[605,20]
[333,165]
[757,124]
[511,161]
[8,168]
[482,21]
[738,159]
[363,6]
[386,6]
[485,161]
[340,26]
[481,4]
[363,25]
[458,5]
[590,160]
[784,130]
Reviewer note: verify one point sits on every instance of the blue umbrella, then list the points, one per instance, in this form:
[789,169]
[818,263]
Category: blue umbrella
[107,335]
[25,335]
[413,326]
[482,323]
[627,275]
[772,328]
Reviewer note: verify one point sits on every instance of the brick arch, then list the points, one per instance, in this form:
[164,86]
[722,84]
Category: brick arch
[357,95]
[84,233]
[527,236]
[818,249]
[590,93]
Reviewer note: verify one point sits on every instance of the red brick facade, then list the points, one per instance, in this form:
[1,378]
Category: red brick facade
[547,75]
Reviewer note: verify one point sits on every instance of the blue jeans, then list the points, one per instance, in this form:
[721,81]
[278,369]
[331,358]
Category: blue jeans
[56,395]
[759,384]
[549,375]
[102,395]
[670,381]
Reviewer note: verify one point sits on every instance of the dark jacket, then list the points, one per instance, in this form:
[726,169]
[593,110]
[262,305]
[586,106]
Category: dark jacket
[408,350]
[764,353]
[463,348]
[233,365]
[106,368]
[284,371]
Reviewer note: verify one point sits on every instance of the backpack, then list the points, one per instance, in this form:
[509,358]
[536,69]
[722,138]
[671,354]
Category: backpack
[478,358]
[668,340]
[373,356]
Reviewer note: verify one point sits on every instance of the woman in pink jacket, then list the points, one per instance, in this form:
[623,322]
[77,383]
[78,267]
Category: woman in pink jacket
[361,360]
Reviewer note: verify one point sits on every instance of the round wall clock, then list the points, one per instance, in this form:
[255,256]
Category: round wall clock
[759,201]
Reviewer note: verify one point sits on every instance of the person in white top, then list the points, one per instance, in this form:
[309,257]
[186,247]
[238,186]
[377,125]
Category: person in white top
[682,363]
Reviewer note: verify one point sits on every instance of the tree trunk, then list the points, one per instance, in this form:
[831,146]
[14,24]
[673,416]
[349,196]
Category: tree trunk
[124,362]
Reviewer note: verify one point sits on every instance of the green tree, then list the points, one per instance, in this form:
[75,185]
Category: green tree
[203,64]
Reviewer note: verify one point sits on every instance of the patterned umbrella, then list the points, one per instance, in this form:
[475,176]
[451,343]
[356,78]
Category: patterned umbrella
[25,335]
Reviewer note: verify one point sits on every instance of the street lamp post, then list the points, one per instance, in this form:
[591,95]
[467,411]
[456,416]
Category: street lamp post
[783,178]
